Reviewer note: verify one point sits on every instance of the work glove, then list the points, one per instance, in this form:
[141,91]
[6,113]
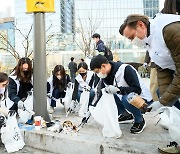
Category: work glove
[111,89]
[155,105]
[71,106]
[20,105]
[145,65]
[11,112]
[86,117]
[69,84]
[2,120]
[87,88]
[49,95]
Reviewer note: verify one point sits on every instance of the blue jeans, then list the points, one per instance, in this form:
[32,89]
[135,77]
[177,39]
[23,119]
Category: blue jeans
[57,94]
[124,104]
[73,75]
[91,96]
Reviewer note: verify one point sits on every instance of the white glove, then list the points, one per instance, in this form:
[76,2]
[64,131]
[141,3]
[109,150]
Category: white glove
[87,88]
[111,89]
[145,65]
[155,105]
[87,115]
[20,104]
[49,95]
[69,84]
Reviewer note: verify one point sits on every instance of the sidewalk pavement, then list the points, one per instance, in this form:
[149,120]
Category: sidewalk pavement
[26,149]
[89,139]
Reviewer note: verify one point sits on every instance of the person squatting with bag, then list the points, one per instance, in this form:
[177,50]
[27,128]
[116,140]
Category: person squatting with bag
[10,132]
[85,79]
[122,79]
[20,83]
[57,84]
[4,80]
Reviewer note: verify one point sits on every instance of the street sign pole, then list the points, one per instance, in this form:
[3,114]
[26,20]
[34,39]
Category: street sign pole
[39,67]
[39,8]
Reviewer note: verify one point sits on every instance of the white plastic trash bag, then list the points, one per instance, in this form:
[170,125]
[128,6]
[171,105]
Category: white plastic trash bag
[106,114]
[68,97]
[170,119]
[11,135]
[84,101]
[26,113]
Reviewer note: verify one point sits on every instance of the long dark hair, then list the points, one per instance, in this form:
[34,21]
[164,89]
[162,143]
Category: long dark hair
[3,77]
[19,70]
[171,7]
[60,84]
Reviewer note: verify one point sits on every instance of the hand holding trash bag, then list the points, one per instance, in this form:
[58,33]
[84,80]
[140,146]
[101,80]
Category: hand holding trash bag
[87,88]
[111,89]
[155,105]
[49,95]
[11,112]
[2,120]
[69,84]
[86,117]
[20,105]
[71,106]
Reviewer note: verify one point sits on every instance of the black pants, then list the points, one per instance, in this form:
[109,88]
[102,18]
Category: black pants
[57,94]
[14,107]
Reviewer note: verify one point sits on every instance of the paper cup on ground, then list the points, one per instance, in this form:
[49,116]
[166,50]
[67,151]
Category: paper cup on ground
[37,121]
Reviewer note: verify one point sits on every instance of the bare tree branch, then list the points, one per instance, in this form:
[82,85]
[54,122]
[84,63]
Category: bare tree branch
[49,27]
[86,30]
[49,38]
[25,43]
[7,44]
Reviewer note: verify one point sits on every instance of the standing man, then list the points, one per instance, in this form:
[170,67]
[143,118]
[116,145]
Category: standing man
[102,49]
[162,40]
[73,69]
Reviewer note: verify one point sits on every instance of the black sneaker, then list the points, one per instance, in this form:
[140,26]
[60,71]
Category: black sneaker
[122,119]
[138,127]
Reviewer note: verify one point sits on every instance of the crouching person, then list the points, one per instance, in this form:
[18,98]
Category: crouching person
[85,79]
[121,79]
[3,95]
[57,84]
[3,92]
[20,83]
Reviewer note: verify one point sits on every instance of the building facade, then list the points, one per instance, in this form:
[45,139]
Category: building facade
[6,33]
[151,7]
[7,44]
[58,32]
[106,16]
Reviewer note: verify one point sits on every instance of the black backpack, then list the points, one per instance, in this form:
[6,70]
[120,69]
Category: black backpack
[108,54]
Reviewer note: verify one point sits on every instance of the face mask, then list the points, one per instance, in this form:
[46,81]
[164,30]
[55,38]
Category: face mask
[100,75]
[2,90]
[59,77]
[138,42]
[83,74]
[25,73]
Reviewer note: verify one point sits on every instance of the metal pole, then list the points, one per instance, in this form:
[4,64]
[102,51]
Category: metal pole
[39,67]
